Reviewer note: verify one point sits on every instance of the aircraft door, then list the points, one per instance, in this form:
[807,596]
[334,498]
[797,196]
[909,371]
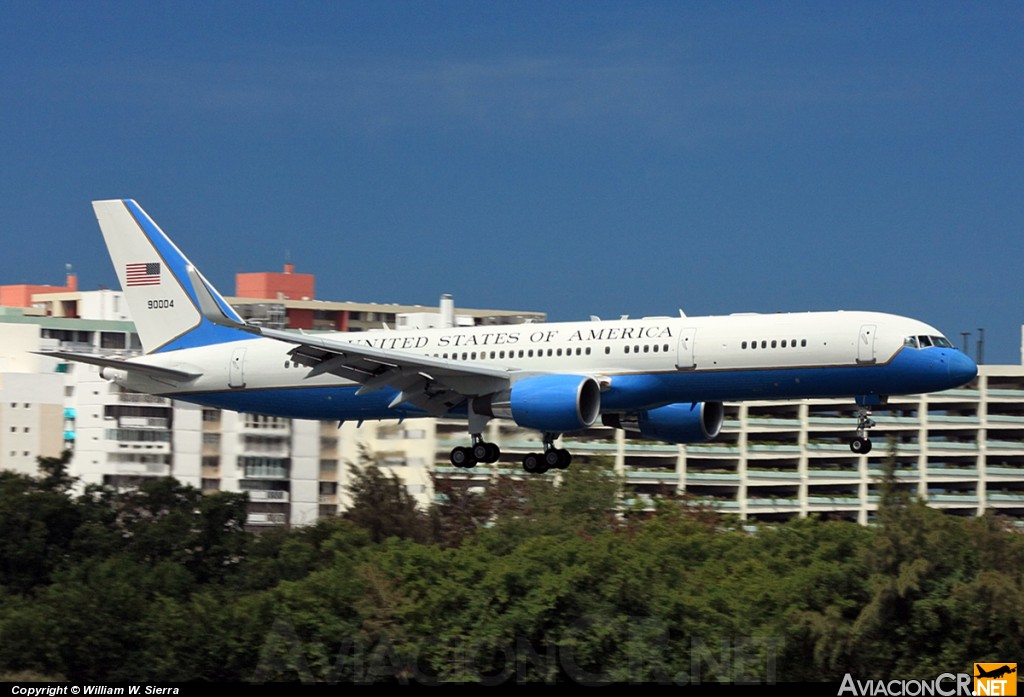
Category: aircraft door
[866,344]
[236,373]
[684,356]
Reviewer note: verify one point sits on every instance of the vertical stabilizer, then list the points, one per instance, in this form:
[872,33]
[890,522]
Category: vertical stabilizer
[154,275]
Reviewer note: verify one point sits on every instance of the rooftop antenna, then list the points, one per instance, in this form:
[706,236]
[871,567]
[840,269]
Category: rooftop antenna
[981,345]
[965,335]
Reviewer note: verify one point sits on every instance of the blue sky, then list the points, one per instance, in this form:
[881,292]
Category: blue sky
[575,158]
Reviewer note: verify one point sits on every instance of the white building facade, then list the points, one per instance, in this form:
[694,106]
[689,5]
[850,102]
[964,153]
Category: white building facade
[962,450]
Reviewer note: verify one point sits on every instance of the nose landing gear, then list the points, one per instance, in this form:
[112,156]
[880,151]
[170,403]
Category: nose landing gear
[861,443]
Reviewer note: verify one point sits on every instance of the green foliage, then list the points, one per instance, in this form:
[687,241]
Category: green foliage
[382,505]
[542,579]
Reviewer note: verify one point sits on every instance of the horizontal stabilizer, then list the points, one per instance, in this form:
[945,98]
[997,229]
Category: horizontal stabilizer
[128,366]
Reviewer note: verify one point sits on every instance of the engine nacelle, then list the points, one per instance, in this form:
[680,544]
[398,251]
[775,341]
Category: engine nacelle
[674,423]
[548,403]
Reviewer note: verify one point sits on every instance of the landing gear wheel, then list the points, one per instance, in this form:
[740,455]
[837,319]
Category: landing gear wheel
[481,451]
[462,457]
[532,464]
[564,459]
[552,458]
[557,458]
[861,446]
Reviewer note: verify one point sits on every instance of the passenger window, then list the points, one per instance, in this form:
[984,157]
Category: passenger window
[743,345]
[774,343]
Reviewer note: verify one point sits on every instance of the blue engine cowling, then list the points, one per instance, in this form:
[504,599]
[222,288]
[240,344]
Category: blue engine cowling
[548,403]
[674,423]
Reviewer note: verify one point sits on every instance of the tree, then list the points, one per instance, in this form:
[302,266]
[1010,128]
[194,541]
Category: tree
[382,505]
[39,520]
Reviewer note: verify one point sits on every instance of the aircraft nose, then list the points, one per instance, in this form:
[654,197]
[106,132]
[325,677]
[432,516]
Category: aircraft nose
[961,368]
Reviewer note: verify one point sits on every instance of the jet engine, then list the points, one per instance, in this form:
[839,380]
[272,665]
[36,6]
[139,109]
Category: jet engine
[547,403]
[673,423]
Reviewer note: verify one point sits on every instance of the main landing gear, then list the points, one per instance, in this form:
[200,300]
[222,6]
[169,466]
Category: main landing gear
[480,452]
[861,444]
[551,458]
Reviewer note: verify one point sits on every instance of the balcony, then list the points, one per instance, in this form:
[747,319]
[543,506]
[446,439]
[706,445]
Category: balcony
[1004,445]
[266,519]
[771,474]
[268,496]
[844,475]
[1004,497]
[773,502]
[139,398]
[838,501]
[646,476]
[143,422]
[773,448]
[712,448]
[696,477]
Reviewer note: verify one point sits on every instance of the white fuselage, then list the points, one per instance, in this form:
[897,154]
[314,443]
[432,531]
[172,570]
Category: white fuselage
[614,351]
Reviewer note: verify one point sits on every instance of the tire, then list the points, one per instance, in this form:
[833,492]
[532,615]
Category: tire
[532,464]
[481,451]
[861,446]
[462,457]
[564,459]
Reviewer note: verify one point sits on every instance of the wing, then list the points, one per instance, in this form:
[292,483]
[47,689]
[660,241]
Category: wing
[433,384]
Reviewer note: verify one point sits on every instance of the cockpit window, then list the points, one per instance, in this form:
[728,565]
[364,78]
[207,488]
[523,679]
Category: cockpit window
[926,341]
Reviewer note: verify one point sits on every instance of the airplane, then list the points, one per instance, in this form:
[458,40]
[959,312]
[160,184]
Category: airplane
[659,378]
[995,672]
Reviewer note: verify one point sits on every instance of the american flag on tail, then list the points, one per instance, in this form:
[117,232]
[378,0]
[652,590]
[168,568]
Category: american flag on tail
[143,274]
